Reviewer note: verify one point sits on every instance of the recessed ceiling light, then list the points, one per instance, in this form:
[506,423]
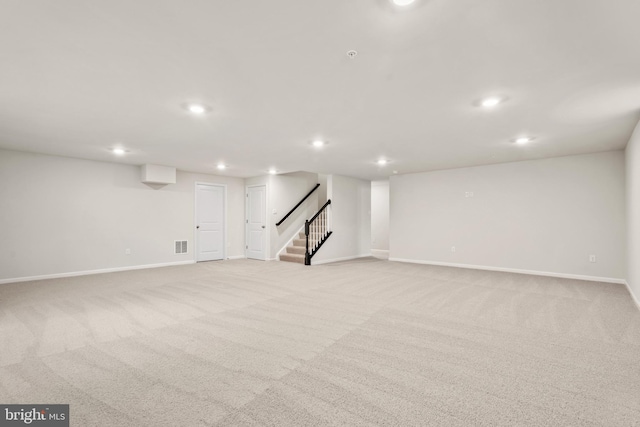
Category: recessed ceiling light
[196,109]
[222,166]
[318,143]
[382,162]
[273,171]
[118,151]
[403,2]
[490,102]
[521,140]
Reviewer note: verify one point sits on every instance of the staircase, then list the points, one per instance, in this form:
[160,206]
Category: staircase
[316,231]
[296,252]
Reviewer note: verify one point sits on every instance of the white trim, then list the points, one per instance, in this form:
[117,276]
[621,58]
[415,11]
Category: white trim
[515,270]
[633,296]
[380,253]
[195,218]
[267,248]
[237,257]
[90,272]
[347,258]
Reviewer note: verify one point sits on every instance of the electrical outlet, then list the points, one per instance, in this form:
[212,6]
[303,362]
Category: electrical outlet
[127,251]
[592,258]
[468,194]
[453,248]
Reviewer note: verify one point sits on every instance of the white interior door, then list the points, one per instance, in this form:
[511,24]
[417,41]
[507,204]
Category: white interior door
[209,222]
[257,222]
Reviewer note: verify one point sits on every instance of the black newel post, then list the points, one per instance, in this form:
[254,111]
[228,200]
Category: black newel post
[307,258]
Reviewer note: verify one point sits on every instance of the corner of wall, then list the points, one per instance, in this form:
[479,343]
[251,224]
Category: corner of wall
[632,182]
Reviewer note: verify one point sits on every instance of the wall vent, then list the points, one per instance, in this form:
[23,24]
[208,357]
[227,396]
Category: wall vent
[181,246]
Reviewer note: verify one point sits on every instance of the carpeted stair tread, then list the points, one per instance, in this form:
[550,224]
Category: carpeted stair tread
[296,250]
[299,258]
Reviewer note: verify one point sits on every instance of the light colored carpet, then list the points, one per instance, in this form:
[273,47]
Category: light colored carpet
[367,342]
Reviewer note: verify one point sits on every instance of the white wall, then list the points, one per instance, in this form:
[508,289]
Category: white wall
[322,190]
[351,220]
[62,215]
[542,215]
[632,156]
[380,218]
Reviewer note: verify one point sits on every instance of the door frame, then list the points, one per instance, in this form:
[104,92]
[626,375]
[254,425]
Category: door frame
[195,218]
[267,241]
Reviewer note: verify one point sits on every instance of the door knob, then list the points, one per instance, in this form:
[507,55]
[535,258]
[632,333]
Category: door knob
[197,226]
[263,226]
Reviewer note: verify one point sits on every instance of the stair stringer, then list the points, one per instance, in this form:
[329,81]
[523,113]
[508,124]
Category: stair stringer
[290,242]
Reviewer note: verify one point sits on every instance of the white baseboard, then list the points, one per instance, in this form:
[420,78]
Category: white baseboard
[380,253]
[89,272]
[327,261]
[236,257]
[633,296]
[515,270]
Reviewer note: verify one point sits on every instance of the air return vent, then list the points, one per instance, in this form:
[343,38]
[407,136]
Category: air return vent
[181,246]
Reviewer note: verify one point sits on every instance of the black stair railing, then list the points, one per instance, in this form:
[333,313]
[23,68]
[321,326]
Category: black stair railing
[298,205]
[317,230]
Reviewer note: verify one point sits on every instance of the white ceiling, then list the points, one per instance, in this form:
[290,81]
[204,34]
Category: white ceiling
[78,78]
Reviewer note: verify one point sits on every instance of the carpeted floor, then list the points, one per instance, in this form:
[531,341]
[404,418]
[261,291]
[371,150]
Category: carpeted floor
[366,342]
